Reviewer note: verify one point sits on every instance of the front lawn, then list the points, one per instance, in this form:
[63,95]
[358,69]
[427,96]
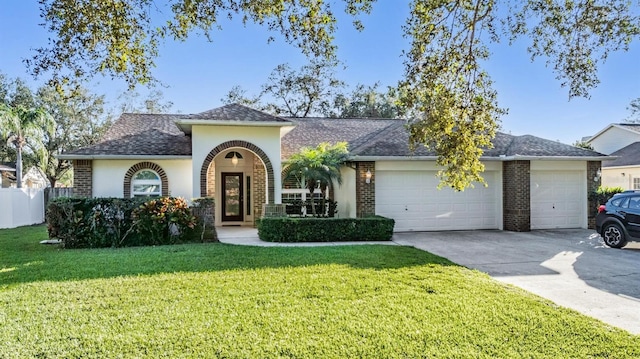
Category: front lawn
[223,301]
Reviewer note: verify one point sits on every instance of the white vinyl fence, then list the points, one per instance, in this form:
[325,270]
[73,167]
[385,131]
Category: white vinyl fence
[21,206]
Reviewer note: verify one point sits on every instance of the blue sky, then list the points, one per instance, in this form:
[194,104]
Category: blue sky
[199,73]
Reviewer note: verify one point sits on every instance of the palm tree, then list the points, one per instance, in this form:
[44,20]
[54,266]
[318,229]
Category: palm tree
[23,126]
[319,166]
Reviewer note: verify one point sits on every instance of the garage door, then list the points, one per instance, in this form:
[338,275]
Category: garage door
[414,201]
[558,199]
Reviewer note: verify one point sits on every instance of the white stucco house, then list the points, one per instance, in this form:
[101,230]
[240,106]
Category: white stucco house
[234,154]
[622,142]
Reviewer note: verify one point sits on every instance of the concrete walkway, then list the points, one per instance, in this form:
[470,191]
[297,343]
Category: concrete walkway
[572,268]
[248,236]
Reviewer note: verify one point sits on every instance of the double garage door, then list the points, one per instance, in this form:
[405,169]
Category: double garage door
[558,200]
[414,201]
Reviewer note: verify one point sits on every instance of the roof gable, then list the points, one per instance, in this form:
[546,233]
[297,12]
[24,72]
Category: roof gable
[231,115]
[236,113]
[631,127]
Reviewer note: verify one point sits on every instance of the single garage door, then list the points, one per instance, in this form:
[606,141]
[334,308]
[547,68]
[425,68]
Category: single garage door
[558,199]
[414,201]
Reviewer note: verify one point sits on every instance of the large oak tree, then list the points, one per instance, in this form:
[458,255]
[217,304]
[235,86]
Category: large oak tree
[445,85]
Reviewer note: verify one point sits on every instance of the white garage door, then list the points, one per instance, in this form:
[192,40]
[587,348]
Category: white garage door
[414,201]
[558,199]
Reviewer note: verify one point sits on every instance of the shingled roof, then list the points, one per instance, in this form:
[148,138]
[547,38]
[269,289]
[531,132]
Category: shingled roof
[140,134]
[626,156]
[236,113]
[390,138]
[309,132]
[158,135]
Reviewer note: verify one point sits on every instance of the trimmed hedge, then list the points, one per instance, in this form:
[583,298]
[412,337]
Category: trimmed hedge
[120,222]
[603,194]
[285,229]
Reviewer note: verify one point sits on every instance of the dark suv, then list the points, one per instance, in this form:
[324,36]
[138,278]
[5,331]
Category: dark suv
[618,221]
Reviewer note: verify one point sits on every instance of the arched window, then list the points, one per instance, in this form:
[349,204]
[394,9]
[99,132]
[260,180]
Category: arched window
[146,183]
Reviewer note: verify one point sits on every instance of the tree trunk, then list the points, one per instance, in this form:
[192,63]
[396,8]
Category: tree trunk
[19,167]
[312,188]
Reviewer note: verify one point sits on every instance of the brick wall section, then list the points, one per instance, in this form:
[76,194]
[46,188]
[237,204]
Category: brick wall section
[82,178]
[126,188]
[241,144]
[516,196]
[365,192]
[259,187]
[592,205]
[211,180]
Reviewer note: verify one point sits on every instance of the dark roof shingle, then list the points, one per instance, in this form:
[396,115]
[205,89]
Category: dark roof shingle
[141,134]
[310,132]
[158,135]
[236,112]
[627,156]
[382,138]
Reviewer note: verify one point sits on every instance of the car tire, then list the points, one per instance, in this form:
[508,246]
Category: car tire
[614,236]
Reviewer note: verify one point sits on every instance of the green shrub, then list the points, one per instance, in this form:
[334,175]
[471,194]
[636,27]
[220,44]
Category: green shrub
[163,220]
[119,222]
[285,229]
[603,194]
[90,222]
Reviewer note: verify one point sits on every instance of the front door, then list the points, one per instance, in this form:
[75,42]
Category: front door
[232,202]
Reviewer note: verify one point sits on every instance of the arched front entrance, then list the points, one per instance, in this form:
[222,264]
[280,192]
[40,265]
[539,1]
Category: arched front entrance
[239,175]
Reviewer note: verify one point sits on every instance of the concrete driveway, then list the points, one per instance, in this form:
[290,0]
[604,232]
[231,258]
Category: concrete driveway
[572,268]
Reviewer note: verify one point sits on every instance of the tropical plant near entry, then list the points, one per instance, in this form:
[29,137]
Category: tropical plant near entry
[24,127]
[318,166]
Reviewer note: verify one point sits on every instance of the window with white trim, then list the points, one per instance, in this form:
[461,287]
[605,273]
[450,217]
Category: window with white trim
[636,183]
[293,190]
[146,183]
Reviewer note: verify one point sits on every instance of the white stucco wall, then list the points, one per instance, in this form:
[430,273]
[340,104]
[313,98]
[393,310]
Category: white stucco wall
[620,176]
[614,139]
[543,165]
[206,138]
[420,165]
[108,176]
[345,194]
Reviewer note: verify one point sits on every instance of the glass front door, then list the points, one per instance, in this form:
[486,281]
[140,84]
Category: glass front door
[233,203]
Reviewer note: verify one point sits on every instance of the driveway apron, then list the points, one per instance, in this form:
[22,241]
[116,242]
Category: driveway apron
[572,268]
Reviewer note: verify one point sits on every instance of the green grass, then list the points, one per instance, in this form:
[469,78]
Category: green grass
[223,301]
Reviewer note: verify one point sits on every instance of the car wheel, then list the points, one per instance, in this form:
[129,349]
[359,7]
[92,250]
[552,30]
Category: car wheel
[613,236]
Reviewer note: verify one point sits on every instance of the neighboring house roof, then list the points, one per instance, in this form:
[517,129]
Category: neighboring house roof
[6,168]
[148,135]
[632,127]
[626,156]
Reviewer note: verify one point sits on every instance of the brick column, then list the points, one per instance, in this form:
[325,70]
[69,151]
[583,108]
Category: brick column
[259,186]
[592,205]
[516,196]
[365,192]
[82,178]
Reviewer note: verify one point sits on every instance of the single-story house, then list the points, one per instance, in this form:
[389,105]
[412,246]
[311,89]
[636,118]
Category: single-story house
[7,175]
[235,153]
[622,142]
